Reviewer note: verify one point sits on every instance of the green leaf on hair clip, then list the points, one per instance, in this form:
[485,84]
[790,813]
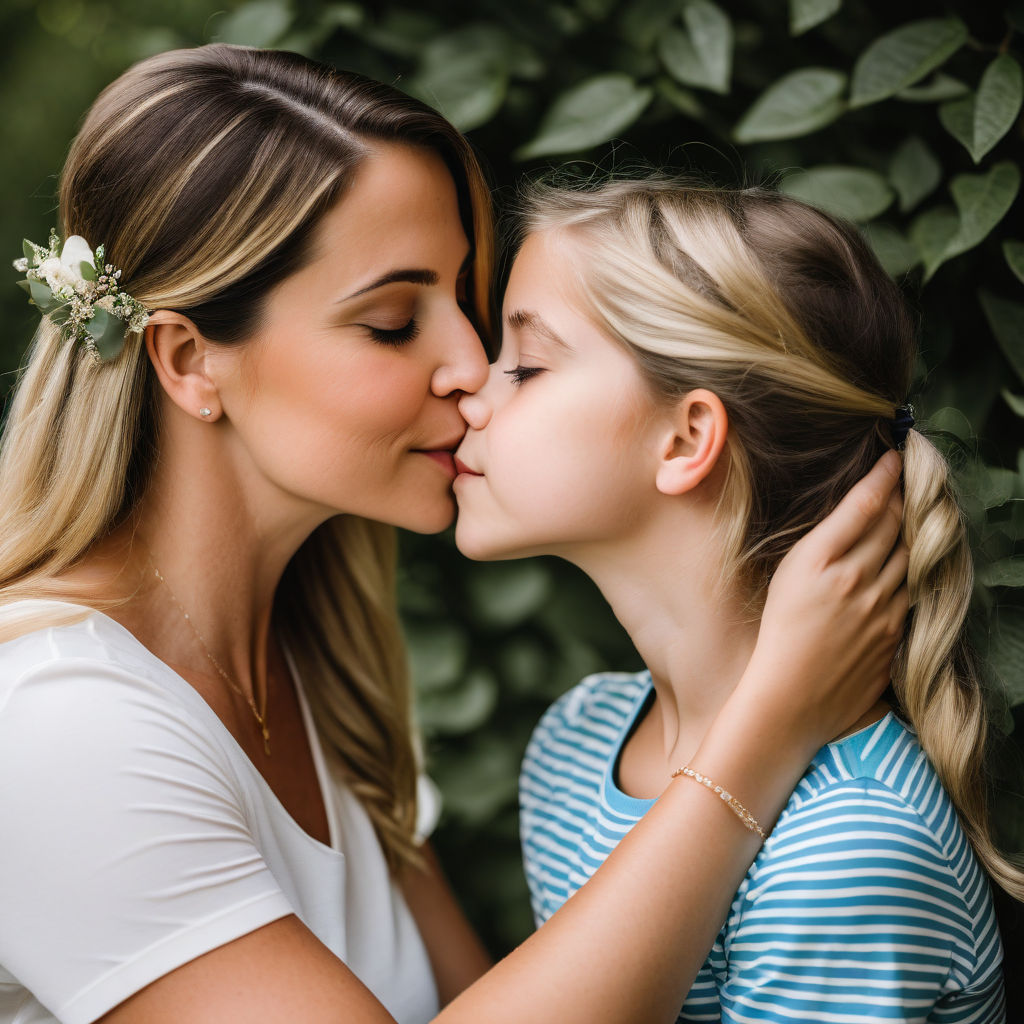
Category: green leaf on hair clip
[87,270]
[107,331]
[29,250]
[41,295]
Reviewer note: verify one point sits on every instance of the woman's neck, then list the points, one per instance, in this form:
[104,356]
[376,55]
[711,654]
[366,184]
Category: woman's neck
[220,539]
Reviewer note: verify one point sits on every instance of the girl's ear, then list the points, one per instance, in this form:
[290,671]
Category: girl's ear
[693,444]
[178,353]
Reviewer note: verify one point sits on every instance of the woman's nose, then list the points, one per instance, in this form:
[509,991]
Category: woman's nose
[464,366]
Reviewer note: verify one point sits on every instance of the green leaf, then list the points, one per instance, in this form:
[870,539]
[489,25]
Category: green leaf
[852,192]
[643,21]
[805,14]
[798,103]
[590,113]
[939,89]
[437,655]
[87,270]
[991,485]
[702,55]
[464,75]
[957,118]
[999,100]
[1006,650]
[460,710]
[42,296]
[257,23]
[504,594]
[950,421]
[1014,253]
[683,100]
[931,232]
[107,331]
[904,56]
[978,122]
[1015,402]
[1007,572]
[29,250]
[1006,319]
[914,172]
[893,249]
[982,200]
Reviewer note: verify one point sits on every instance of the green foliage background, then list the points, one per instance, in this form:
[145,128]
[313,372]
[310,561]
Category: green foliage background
[903,117]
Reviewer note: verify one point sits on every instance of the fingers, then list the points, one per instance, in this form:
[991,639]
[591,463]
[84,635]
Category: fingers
[893,574]
[864,505]
[872,549]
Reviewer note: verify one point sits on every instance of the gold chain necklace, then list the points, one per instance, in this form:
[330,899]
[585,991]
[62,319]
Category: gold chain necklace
[260,716]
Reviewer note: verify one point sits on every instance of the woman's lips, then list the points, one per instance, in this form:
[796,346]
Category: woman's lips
[443,458]
[461,467]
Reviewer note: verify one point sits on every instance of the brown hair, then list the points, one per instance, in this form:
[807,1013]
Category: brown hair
[205,173]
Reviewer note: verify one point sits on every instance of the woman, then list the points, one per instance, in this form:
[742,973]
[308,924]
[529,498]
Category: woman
[209,786]
[725,364]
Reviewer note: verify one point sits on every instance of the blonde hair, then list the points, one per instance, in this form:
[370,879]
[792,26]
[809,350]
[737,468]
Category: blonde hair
[205,173]
[787,316]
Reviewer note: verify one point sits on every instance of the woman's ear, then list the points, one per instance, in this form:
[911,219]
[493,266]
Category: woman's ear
[179,353]
[691,449]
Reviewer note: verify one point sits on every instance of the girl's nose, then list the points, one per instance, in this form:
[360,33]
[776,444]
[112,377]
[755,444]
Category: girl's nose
[475,408]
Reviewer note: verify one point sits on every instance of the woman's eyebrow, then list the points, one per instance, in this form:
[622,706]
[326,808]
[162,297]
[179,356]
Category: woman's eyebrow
[409,275]
[523,319]
[426,277]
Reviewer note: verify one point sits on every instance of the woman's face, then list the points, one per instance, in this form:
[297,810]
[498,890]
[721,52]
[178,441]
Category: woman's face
[562,438]
[346,400]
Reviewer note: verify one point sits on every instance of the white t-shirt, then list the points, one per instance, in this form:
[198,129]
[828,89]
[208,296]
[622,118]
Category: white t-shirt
[135,835]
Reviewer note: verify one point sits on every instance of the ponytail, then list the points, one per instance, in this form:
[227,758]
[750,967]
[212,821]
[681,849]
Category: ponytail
[935,678]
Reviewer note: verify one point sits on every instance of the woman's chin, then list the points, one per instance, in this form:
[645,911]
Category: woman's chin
[432,520]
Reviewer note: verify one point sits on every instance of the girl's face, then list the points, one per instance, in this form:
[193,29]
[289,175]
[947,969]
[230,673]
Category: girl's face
[346,400]
[561,444]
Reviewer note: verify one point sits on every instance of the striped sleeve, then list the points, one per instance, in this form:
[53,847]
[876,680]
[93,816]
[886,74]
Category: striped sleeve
[855,913]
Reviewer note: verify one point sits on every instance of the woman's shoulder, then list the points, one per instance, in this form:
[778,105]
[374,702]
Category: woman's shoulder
[69,674]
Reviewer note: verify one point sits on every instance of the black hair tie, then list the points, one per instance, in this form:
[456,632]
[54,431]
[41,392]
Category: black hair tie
[901,423]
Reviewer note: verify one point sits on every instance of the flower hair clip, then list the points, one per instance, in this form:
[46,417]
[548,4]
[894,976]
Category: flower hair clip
[78,291]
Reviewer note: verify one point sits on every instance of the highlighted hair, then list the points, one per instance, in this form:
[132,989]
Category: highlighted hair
[786,315]
[205,173]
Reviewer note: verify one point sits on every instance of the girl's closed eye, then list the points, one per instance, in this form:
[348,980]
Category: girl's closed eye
[521,374]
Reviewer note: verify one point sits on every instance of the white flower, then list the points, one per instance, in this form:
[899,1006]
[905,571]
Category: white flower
[77,251]
[108,302]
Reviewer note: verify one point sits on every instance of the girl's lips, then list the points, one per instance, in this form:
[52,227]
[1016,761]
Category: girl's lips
[461,467]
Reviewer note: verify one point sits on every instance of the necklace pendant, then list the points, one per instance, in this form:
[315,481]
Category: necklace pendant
[266,739]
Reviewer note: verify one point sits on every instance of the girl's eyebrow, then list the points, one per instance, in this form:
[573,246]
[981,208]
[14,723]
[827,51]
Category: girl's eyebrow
[523,319]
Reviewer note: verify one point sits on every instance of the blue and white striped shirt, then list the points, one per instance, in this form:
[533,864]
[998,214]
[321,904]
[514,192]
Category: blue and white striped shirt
[865,904]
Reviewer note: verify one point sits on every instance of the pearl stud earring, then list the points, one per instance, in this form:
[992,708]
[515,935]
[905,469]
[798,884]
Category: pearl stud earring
[204,412]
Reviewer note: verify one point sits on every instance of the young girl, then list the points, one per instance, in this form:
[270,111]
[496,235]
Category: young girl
[207,777]
[689,379]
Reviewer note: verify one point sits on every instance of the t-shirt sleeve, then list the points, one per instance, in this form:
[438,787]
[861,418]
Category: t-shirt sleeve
[125,849]
[855,914]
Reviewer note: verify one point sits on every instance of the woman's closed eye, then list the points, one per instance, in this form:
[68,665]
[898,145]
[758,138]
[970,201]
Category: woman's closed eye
[394,336]
[521,374]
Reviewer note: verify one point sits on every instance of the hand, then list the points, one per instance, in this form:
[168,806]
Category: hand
[834,616]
